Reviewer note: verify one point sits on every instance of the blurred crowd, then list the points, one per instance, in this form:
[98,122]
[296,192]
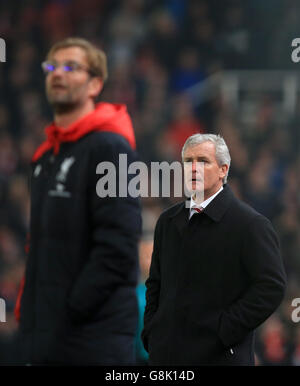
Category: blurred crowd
[157,49]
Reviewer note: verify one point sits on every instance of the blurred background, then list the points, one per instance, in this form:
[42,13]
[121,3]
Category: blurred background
[181,67]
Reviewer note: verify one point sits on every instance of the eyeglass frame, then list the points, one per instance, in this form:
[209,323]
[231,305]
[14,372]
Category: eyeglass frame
[56,65]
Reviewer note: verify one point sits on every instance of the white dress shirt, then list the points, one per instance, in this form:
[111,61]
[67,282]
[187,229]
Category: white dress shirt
[204,204]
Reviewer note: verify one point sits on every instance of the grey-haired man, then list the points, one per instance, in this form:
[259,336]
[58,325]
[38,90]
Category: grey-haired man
[216,272]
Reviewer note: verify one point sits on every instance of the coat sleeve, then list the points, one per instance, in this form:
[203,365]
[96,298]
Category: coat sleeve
[17,308]
[262,261]
[115,229]
[152,285]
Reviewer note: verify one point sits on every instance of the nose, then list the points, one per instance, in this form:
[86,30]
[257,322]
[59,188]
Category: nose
[197,168]
[58,71]
[194,166]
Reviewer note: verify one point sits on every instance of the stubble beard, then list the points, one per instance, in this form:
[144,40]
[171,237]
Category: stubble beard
[60,108]
[62,105]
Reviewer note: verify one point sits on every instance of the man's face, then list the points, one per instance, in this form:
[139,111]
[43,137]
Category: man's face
[67,90]
[202,173]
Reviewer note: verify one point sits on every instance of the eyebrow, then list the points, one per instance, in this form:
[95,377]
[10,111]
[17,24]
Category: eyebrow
[64,61]
[199,158]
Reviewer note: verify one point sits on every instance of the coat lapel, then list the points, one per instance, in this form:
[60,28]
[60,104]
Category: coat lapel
[219,205]
[181,217]
[215,210]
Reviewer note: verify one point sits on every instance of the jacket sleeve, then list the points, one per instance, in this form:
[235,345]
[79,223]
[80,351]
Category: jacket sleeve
[115,228]
[152,285]
[262,261]
[17,308]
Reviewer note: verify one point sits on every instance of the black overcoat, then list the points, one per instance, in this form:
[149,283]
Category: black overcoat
[213,280]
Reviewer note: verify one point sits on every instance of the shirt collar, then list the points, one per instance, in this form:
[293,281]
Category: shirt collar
[216,209]
[206,202]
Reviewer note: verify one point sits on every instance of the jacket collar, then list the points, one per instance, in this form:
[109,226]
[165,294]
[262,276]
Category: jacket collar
[106,117]
[215,210]
[219,205]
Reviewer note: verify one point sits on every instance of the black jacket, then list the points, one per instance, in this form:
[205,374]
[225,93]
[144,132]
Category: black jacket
[79,304]
[212,281]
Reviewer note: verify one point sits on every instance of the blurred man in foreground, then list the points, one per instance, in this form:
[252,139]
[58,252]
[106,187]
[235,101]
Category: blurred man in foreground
[78,303]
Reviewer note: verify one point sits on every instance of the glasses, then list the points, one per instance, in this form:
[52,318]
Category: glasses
[70,66]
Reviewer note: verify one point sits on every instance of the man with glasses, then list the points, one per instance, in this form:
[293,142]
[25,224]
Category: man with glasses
[77,302]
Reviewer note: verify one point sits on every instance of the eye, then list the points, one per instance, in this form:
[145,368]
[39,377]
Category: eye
[202,160]
[69,67]
[48,67]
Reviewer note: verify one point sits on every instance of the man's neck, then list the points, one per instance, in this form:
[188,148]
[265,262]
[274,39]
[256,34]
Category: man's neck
[66,119]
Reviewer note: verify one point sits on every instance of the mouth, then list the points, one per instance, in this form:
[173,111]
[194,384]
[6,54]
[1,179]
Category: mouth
[196,183]
[58,87]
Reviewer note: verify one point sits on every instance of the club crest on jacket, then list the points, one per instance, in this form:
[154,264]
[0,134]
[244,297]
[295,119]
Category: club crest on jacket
[61,177]
[64,169]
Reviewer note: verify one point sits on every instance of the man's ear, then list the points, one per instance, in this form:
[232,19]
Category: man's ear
[224,169]
[95,86]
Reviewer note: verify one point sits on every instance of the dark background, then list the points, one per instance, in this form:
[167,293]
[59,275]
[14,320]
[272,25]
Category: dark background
[181,67]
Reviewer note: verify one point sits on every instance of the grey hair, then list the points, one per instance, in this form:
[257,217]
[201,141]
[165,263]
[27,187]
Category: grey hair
[222,151]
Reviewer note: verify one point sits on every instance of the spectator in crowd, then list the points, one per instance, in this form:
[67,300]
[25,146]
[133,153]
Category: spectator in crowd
[144,41]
